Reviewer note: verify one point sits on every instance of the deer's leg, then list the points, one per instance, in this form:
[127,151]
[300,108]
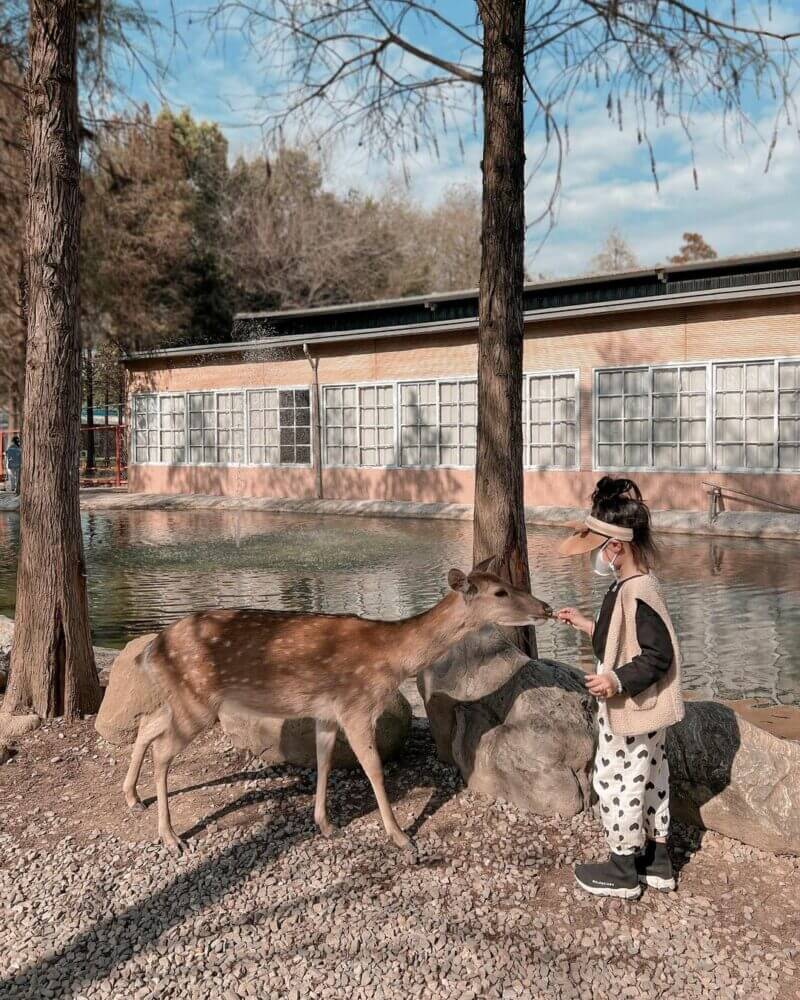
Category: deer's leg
[166,747]
[326,737]
[362,740]
[149,728]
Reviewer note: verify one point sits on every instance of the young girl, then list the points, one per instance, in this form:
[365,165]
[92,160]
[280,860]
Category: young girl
[638,688]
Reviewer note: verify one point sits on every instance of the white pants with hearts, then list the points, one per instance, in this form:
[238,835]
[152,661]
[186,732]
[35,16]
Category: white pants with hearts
[631,779]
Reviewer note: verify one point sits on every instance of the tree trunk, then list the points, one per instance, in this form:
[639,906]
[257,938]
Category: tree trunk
[89,409]
[52,663]
[499,528]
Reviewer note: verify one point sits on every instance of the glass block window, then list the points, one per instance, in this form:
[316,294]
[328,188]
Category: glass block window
[341,425]
[549,420]
[230,427]
[294,426]
[789,415]
[744,415]
[359,425]
[679,418]
[202,427]
[419,433]
[376,425]
[145,428]
[280,426]
[623,418]
[262,405]
[172,429]
[458,422]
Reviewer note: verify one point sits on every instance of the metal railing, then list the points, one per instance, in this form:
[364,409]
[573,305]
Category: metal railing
[717,493]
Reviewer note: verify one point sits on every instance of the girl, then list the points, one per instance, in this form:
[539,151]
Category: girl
[638,688]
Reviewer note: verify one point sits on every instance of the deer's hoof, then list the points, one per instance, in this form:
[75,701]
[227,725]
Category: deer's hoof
[137,807]
[400,840]
[174,844]
[329,831]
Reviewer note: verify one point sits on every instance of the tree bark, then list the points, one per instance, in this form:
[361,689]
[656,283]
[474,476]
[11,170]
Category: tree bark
[52,662]
[499,528]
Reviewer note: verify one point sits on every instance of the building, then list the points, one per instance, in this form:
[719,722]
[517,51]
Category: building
[679,375]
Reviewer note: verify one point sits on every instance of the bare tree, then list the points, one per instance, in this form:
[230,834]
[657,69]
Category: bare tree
[401,72]
[614,256]
[694,247]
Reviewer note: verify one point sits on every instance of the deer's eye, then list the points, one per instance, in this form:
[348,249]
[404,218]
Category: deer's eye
[501,593]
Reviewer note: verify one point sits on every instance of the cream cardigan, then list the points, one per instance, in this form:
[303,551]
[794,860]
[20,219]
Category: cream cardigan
[661,704]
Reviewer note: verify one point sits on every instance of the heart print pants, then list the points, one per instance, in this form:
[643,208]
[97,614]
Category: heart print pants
[631,779]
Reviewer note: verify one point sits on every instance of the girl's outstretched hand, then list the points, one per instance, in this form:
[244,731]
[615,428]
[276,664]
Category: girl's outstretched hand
[573,617]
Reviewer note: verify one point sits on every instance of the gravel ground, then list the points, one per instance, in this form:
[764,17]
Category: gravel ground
[262,907]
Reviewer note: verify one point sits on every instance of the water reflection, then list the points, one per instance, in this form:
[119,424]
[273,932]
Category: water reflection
[735,602]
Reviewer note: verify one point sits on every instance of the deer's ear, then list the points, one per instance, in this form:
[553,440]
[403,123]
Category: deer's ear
[487,565]
[458,581]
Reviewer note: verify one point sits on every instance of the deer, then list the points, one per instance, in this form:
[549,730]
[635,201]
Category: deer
[339,670]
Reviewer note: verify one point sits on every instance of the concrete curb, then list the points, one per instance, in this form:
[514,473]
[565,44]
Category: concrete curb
[680,522]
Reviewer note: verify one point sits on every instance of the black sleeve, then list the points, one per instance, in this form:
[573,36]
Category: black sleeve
[656,655]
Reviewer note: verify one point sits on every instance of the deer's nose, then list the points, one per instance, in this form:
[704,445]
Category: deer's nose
[548,611]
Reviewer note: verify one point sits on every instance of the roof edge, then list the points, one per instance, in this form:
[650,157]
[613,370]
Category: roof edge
[776,290]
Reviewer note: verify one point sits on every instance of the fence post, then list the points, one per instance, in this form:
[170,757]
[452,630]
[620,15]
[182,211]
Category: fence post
[117,457]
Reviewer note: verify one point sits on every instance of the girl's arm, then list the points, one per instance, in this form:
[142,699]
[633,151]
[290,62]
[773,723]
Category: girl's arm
[576,619]
[656,656]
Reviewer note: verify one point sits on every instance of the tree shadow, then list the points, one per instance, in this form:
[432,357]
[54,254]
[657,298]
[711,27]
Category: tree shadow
[81,962]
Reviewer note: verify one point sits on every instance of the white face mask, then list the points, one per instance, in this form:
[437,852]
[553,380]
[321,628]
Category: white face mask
[602,566]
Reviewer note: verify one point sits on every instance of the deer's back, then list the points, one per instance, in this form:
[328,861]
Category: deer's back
[280,663]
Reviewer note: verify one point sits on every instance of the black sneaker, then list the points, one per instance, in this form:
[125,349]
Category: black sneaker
[655,867]
[615,877]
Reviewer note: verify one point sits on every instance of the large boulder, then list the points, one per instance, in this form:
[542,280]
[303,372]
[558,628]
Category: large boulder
[524,730]
[293,741]
[730,776]
[131,693]
[6,639]
[518,729]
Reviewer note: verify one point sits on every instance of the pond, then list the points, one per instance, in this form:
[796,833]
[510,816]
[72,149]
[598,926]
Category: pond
[735,602]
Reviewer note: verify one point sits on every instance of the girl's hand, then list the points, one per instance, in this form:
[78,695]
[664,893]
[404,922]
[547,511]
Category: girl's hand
[601,685]
[577,620]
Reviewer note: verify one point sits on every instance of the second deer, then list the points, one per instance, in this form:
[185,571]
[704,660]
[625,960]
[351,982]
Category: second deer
[338,669]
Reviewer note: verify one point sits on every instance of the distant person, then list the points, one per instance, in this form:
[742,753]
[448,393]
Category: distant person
[638,688]
[14,464]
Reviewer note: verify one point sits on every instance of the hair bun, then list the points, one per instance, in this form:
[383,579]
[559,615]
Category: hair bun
[609,488]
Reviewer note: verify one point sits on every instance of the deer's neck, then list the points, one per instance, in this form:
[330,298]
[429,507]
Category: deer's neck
[426,637]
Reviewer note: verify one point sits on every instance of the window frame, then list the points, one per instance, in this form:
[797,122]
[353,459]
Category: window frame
[245,390]
[357,387]
[711,366]
[553,373]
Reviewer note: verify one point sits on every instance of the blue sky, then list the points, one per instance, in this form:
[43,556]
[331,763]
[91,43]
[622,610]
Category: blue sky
[606,177]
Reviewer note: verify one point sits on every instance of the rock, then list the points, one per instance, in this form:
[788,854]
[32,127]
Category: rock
[292,741]
[730,776]
[131,693]
[6,638]
[17,725]
[518,729]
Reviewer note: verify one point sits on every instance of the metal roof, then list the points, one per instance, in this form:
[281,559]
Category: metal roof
[718,281]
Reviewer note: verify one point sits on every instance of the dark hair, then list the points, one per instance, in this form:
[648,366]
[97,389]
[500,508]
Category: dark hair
[619,501]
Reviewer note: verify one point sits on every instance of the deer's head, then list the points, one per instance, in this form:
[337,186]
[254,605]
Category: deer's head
[492,601]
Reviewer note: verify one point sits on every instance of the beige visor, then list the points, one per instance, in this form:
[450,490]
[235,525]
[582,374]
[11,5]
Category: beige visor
[591,534]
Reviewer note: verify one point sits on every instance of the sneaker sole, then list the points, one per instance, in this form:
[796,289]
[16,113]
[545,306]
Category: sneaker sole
[618,893]
[655,882]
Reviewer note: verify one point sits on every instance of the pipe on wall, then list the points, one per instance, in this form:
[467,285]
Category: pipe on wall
[316,433]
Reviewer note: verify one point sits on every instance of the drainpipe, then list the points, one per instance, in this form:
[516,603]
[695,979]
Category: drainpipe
[316,435]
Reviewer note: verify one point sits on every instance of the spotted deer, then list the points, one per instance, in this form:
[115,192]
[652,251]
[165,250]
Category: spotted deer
[337,669]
